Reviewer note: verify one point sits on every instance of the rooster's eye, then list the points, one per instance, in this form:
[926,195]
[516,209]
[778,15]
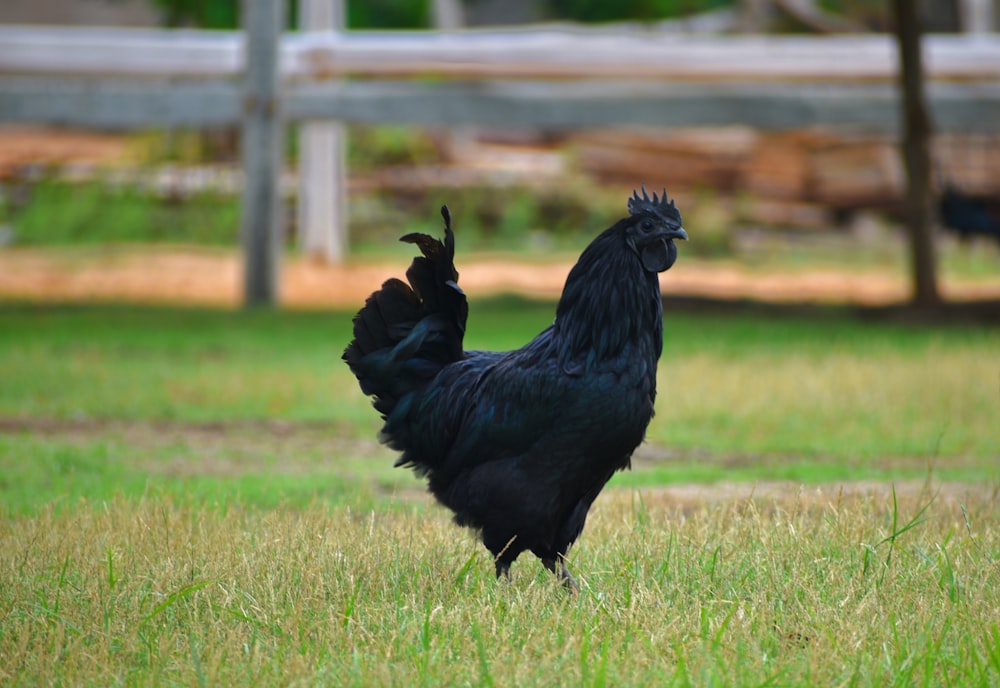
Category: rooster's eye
[646,225]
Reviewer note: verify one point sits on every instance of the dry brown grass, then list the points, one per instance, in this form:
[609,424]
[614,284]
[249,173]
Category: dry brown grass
[805,588]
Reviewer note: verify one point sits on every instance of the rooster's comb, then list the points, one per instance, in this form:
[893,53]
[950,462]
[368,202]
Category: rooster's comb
[657,205]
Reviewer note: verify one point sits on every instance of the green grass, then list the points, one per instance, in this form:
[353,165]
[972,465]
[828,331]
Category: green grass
[735,384]
[195,497]
[861,590]
[106,401]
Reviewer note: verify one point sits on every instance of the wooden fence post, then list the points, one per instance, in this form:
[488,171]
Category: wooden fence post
[976,16]
[322,217]
[262,152]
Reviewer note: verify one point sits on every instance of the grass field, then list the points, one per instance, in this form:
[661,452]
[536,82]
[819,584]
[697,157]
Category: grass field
[195,497]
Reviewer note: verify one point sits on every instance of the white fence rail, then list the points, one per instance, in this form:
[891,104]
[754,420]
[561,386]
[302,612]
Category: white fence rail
[128,78]
[481,55]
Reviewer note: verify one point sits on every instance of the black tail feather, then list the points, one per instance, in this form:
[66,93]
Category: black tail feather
[405,333]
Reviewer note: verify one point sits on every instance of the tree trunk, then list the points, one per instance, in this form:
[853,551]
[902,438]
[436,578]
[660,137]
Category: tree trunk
[916,154]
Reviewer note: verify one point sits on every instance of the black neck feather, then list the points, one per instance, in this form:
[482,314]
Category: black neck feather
[609,301]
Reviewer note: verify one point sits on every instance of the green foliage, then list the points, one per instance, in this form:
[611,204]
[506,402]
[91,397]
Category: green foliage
[876,15]
[388,14]
[488,218]
[715,220]
[205,14]
[640,10]
[415,14]
[361,14]
[370,148]
[154,147]
[62,213]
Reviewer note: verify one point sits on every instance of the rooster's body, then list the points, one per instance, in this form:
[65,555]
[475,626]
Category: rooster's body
[969,216]
[518,444]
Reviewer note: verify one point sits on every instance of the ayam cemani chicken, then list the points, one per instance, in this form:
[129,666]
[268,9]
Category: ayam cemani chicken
[518,444]
[969,216]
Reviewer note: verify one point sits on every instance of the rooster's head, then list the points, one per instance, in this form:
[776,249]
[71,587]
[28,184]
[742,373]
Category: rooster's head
[655,224]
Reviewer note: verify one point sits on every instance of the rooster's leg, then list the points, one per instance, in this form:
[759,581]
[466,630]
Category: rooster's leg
[562,573]
[503,570]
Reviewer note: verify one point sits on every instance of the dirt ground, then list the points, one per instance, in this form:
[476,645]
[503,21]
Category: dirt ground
[27,145]
[213,277]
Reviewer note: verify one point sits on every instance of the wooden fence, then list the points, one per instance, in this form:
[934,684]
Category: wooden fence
[132,79]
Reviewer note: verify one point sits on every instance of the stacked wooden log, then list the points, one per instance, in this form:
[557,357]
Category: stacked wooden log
[793,178]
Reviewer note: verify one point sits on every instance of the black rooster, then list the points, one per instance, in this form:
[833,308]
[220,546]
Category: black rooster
[519,443]
[969,216]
